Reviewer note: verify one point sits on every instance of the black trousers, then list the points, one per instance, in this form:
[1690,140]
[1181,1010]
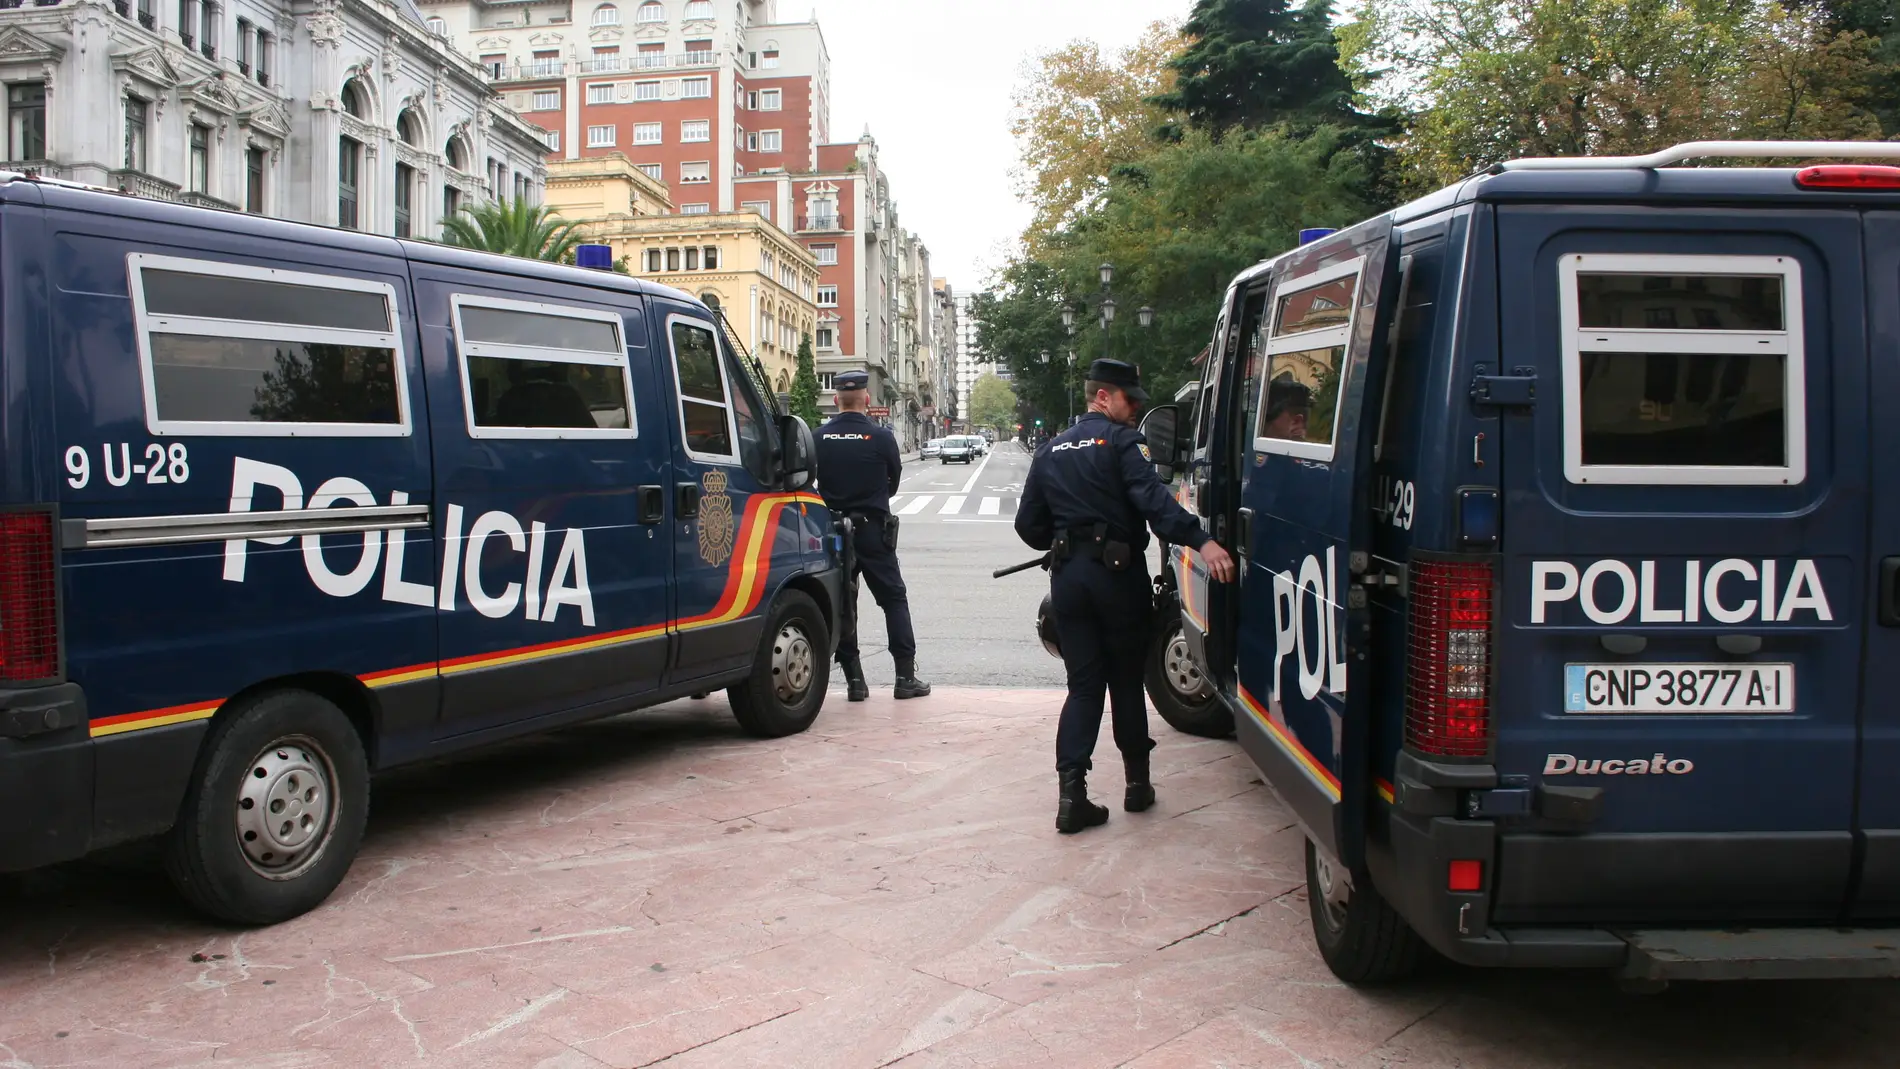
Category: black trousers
[1102,620]
[877,564]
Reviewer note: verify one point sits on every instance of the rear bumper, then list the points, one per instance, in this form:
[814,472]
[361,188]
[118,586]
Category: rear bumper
[46,776]
[1411,875]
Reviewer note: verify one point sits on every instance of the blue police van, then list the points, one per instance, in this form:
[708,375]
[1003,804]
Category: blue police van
[1569,623]
[283,506]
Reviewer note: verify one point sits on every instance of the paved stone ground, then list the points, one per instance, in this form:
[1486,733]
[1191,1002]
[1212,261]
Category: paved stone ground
[886,889]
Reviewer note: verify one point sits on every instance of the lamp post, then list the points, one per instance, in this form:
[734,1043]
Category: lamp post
[1105,315]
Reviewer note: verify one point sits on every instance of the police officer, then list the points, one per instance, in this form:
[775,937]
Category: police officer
[1091,494]
[858,471]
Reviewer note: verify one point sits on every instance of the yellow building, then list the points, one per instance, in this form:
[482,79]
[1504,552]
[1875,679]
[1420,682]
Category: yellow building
[765,282]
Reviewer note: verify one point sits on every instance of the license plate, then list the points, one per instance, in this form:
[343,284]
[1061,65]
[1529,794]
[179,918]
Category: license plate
[1679,688]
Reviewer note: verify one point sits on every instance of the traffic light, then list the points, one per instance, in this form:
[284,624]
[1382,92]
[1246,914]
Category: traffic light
[1039,423]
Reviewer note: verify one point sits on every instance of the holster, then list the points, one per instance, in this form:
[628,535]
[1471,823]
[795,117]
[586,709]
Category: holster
[1115,555]
[890,532]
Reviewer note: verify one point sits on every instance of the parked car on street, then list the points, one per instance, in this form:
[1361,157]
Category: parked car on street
[977,443]
[932,448]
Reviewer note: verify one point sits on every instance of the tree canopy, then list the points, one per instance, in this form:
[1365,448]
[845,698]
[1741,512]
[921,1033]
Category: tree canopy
[1254,64]
[992,403]
[514,227]
[805,385]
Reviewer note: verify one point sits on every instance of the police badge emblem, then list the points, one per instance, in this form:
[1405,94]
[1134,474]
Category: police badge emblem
[715,520]
[1145,455]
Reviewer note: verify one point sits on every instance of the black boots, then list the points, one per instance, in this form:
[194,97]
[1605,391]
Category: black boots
[908,685]
[1075,812]
[1141,793]
[855,688]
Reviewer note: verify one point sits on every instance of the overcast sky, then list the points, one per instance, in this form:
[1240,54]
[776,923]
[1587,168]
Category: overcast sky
[933,81]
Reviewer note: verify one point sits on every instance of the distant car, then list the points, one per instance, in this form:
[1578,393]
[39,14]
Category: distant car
[989,435]
[978,443]
[957,449]
[932,448]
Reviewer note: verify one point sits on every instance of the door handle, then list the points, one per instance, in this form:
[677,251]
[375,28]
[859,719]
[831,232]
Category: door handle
[652,504]
[1890,592]
[1243,532]
[687,503]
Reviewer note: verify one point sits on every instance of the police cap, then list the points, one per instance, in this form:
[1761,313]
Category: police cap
[1124,377]
[1283,394]
[851,380]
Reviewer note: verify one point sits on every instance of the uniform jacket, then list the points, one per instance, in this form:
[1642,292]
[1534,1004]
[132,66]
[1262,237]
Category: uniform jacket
[858,464]
[1099,472]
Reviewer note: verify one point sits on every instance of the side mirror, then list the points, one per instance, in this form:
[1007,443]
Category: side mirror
[798,453]
[1164,446]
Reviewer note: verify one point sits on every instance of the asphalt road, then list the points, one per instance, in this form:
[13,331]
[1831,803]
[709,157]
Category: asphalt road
[972,630]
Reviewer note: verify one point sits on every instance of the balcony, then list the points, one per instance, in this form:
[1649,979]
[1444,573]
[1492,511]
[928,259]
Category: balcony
[140,184]
[43,168]
[539,70]
[206,200]
[820,224]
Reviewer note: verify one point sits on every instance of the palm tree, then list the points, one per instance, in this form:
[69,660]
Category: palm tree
[515,227]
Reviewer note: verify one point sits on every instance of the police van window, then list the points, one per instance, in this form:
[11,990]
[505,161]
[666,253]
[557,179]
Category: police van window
[1306,356]
[1683,370]
[533,370]
[1253,360]
[233,349]
[755,443]
[705,406]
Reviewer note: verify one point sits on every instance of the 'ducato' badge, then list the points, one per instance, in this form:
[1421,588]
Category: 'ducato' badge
[715,520]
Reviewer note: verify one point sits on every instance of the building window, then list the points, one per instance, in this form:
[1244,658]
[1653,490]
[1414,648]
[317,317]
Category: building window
[547,64]
[451,202]
[696,130]
[826,340]
[208,31]
[771,100]
[200,158]
[553,138]
[692,259]
[769,60]
[187,26]
[600,137]
[695,172]
[456,152]
[695,209]
[598,93]
[405,191]
[264,42]
[438,27]
[712,257]
[26,121]
[606,15]
[646,90]
[254,181]
[648,133]
[762,207]
[353,100]
[135,110]
[699,9]
[828,296]
[244,46]
[655,171]
[349,160]
[147,17]
[494,65]
[696,88]
[672,259]
[409,128]
[827,254]
[653,260]
[771,141]
[550,100]
[699,51]
[650,13]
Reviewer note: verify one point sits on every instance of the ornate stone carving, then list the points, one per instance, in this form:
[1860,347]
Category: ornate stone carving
[358,129]
[392,58]
[325,28]
[545,39]
[17,45]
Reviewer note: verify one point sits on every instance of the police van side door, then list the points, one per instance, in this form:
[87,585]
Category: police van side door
[732,543]
[1207,608]
[1304,708]
[549,449]
[1683,543]
[1877,898]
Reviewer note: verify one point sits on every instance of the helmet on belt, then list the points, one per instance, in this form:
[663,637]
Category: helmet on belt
[1046,626]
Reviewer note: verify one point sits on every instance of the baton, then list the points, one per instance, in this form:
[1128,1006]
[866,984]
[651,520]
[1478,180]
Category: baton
[1039,562]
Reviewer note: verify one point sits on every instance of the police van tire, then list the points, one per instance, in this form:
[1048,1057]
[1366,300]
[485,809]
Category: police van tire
[1362,938]
[289,753]
[1198,713]
[789,676]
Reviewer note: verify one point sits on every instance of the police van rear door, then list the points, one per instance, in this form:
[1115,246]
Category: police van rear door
[1877,898]
[1683,558]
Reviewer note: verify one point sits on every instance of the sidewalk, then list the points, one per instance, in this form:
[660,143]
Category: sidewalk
[885,889]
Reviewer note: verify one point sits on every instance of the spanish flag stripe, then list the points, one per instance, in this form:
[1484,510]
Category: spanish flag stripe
[745,587]
[1324,776]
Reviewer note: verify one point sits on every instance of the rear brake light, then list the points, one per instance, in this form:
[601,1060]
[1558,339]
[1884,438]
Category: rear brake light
[29,606]
[1466,877]
[1448,669]
[1848,176]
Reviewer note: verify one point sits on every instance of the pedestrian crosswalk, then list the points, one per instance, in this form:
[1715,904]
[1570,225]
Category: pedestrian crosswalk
[997,508]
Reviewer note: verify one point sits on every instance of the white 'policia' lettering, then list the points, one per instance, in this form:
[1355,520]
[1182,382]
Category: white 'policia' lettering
[1321,656]
[1611,592]
[490,535]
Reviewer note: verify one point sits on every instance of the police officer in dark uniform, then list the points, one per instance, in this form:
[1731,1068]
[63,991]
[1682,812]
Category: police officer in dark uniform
[1091,495]
[858,471]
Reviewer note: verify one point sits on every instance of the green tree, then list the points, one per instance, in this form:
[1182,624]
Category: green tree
[992,403]
[1256,64]
[805,385]
[514,227]
[1879,22]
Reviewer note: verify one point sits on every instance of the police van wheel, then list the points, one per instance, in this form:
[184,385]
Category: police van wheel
[1183,696]
[276,812]
[1362,938]
[789,676]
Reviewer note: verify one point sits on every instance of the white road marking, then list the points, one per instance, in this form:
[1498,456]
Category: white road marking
[975,475]
[951,506]
[916,505]
[973,519]
[991,506]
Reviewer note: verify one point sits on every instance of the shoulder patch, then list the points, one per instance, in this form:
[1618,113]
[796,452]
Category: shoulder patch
[1145,455]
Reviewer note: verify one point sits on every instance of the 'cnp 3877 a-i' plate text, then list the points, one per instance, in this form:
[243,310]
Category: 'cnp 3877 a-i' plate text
[1679,688]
